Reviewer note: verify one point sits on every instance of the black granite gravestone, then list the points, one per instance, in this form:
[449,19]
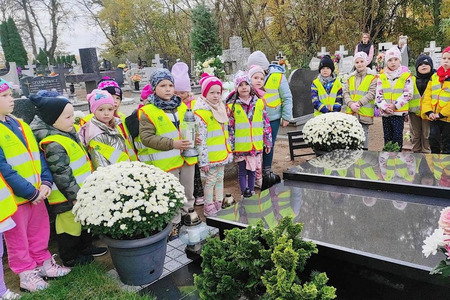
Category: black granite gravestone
[31,85]
[24,109]
[300,85]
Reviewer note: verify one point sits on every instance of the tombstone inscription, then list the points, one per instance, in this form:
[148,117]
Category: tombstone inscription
[31,85]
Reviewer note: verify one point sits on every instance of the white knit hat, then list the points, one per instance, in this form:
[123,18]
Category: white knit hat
[393,52]
[258,58]
[360,54]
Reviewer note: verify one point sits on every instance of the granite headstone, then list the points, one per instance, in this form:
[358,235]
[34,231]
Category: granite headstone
[300,84]
[31,85]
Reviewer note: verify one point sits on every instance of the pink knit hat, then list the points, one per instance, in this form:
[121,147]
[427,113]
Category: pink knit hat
[146,91]
[240,77]
[360,54]
[4,85]
[180,73]
[207,81]
[255,69]
[99,97]
[105,82]
[393,52]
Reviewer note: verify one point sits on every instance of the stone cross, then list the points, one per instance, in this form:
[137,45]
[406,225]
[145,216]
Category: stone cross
[30,67]
[341,52]
[434,54]
[280,56]
[323,52]
[156,62]
[383,47]
[237,55]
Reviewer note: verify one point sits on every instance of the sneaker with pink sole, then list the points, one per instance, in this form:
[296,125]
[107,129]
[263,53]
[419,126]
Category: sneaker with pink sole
[199,201]
[218,205]
[30,281]
[51,269]
[210,209]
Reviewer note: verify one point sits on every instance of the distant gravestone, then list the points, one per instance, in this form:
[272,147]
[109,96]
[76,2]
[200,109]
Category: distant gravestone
[134,66]
[12,76]
[145,74]
[236,57]
[323,52]
[24,109]
[433,51]
[314,64]
[383,47]
[31,85]
[300,84]
[341,52]
[156,62]
[346,65]
[119,77]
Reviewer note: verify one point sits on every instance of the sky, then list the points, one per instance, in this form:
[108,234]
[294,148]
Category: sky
[82,36]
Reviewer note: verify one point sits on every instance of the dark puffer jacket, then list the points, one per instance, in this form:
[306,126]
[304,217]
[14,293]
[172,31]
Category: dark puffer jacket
[58,162]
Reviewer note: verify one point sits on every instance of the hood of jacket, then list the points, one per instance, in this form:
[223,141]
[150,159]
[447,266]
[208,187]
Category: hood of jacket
[93,128]
[276,69]
[42,130]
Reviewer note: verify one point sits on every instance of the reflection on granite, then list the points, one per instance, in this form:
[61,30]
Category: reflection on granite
[420,172]
[390,228]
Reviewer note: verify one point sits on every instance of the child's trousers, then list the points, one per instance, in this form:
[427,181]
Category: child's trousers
[214,181]
[186,176]
[27,243]
[393,129]
[3,288]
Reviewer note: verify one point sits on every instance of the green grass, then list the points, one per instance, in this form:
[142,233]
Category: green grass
[90,282]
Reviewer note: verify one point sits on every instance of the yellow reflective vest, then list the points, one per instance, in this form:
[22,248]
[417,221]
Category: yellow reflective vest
[326,99]
[357,93]
[165,160]
[415,103]
[8,204]
[440,94]
[272,85]
[248,134]
[79,163]
[217,137]
[25,160]
[390,94]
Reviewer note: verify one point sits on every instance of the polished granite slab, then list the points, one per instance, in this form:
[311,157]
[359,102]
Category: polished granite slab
[382,227]
[404,172]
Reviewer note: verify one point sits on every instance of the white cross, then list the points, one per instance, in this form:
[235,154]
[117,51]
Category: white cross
[30,65]
[280,56]
[341,52]
[432,49]
[157,61]
[385,46]
[323,52]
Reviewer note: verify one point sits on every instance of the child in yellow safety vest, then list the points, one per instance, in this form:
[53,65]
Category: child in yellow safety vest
[69,164]
[25,171]
[182,85]
[249,130]
[359,93]
[326,89]
[394,91]
[437,108]
[159,142]
[8,207]
[214,150]
[102,137]
[419,124]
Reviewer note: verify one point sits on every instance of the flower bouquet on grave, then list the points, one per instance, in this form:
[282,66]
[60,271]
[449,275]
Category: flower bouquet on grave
[131,205]
[380,61]
[78,116]
[331,131]
[439,240]
[213,66]
[136,78]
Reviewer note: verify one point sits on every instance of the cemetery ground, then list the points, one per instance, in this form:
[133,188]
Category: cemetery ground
[281,163]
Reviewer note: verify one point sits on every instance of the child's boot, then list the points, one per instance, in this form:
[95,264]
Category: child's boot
[9,295]
[210,209]
[30,281]
[51,269]
[199,201]
[218,205]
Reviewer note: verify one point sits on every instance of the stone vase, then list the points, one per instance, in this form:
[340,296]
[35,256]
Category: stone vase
[139,261]
[136,85]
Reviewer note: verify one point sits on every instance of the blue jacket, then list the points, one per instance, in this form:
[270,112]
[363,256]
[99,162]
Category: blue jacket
[285,109]
[18,184]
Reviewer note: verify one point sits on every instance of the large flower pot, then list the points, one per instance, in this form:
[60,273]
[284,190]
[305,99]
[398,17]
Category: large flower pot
[136,85]
[139,261]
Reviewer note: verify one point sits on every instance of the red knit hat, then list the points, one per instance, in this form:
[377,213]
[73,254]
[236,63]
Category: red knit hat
[207,81]
[446,50]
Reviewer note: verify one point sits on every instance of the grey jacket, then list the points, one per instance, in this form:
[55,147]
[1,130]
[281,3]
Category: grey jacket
[97,131]
[359,76]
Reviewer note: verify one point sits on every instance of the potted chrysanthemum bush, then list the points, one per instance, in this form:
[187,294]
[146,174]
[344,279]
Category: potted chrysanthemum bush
[331,131]
[131,205]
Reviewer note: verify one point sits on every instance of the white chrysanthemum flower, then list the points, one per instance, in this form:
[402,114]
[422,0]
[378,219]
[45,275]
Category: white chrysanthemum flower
[432,243]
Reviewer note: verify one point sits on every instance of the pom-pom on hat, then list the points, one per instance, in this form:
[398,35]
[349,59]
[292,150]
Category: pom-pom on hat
[159,75]
[4,85]
[241,76]
[180,73]
[326,61]
[258,58]
[393,52]
[99,97]
[207,81]
[255,69]
[360,54]
[49,108]
[146,91]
